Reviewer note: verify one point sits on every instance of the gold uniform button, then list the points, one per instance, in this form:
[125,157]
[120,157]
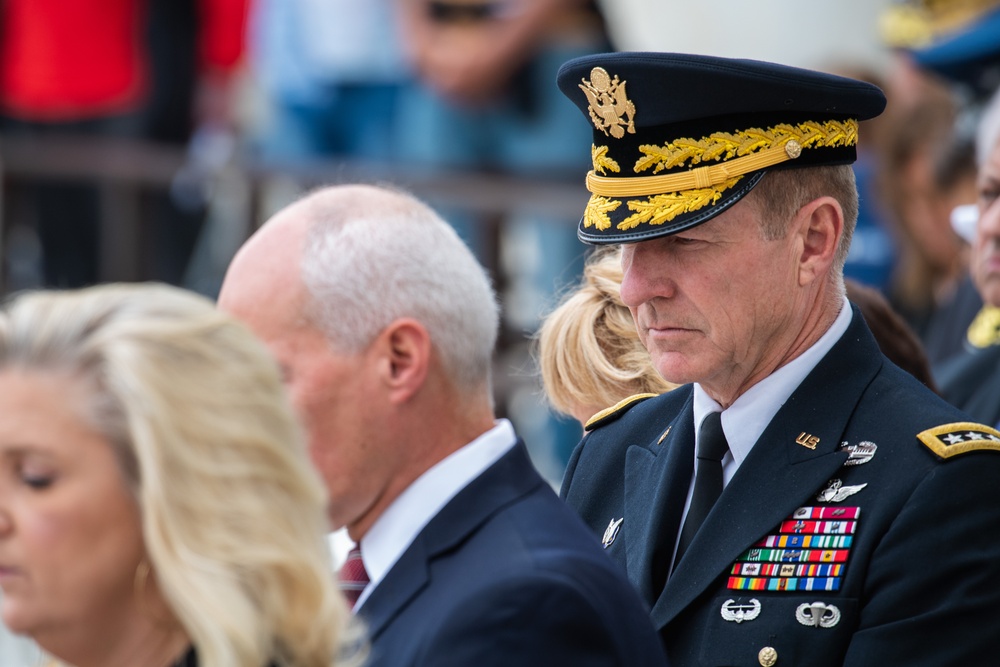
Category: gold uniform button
[767,657]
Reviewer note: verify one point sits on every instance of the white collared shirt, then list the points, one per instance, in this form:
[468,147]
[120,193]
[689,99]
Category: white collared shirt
[394,531]
[744,421]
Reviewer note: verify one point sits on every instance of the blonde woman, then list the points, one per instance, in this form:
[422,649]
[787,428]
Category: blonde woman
[589,352]
[157,506]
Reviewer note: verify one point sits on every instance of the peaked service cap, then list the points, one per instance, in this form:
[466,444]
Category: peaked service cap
[968,56]
[680,138]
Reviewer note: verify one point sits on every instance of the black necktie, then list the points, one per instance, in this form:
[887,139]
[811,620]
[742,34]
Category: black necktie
[712,446]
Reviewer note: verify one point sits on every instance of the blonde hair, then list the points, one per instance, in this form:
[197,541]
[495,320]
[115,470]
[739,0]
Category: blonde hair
[588,349]
[233,515]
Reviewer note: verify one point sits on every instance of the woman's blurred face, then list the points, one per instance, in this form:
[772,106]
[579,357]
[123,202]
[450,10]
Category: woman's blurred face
[70,535]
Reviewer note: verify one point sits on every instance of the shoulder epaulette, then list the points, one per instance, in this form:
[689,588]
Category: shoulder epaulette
[608,415]
[985,327]
[950,440]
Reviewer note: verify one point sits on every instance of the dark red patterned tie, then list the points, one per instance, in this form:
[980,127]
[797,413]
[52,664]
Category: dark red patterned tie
[353,577]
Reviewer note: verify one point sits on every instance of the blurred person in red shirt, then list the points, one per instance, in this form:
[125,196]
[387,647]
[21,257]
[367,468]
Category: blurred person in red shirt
[86,67]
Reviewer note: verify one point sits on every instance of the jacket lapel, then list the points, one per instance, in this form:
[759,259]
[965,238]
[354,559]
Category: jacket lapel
[779,475]
[401,584]
[657,477]
[506,481]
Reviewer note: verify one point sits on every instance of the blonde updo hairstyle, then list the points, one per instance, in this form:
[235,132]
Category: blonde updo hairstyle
[588,349]
[233,515]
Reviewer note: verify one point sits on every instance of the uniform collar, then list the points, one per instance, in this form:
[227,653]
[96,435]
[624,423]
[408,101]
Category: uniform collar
[745,420]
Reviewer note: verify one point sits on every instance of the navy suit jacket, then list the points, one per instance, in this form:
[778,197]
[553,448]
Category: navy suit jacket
[918,580]
[506,574]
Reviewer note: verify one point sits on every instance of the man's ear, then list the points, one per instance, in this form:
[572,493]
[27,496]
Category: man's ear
[406,348]
[820,224]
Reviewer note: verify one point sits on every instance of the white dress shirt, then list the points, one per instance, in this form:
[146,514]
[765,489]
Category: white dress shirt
[394,531]
[744,421]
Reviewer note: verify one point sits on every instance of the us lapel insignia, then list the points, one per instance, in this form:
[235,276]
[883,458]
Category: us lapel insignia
[807,440]
[611,532]
[738,612]
[950,440]
[860,453]
[817,615]
[835,491]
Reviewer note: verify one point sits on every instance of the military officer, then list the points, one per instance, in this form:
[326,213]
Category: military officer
[801,500]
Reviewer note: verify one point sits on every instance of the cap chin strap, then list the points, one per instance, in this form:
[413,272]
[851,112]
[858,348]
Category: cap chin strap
[698,178]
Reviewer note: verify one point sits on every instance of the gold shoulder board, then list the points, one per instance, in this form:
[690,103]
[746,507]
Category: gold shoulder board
[985,328]
[610,414]
[950,440]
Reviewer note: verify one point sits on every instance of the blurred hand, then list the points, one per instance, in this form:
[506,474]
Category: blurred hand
[471,62]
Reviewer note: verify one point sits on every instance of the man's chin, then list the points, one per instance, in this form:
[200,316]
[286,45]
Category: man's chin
[674,372]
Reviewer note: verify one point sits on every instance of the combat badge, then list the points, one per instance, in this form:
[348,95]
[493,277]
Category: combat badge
[860,453]
[835,491]
[950,440]
[608,103]
[817,615]
[611,532]
[739,612]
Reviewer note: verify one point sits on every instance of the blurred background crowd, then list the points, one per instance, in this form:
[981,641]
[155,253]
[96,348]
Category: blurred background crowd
[145,139]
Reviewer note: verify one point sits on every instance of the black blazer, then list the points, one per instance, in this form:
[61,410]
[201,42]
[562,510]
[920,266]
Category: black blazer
[918,584]
[506,574]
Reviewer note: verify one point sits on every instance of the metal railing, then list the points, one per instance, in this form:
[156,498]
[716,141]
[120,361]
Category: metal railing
[122,167]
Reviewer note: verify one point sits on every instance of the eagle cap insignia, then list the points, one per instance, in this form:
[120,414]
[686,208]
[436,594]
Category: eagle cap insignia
[609,103]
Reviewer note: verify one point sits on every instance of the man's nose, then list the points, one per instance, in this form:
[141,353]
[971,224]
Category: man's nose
[645,275]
